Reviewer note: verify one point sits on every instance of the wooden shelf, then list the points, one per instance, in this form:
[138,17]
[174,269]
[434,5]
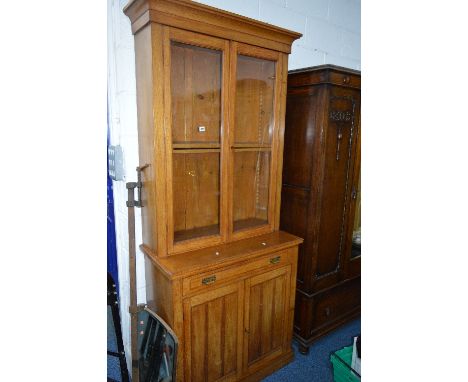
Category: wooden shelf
[250,145]
[261,149]
[195,151]
[237,147]
[196,148]
[194,233]
[248,223]
[196,145]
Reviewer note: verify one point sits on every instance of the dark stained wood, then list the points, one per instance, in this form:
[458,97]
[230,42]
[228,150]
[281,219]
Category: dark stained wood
[294,202]
[320,170]
[325,74]
[326,310]
[301,112]
[335,303]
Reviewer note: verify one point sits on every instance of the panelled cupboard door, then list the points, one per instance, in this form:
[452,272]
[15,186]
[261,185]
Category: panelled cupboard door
[339,148]
[265,321]
[255,88]
[196,70]
[212,334]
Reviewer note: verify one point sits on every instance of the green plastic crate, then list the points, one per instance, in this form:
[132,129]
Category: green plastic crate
[341,360]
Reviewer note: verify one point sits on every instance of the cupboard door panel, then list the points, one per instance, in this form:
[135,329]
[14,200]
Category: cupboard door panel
[266,309]
[278,309]
[338,159]
[211,334]
[300,136]
[198,341]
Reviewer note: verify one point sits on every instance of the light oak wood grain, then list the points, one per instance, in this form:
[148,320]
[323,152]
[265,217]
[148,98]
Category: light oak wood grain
[210,97]
[211,21]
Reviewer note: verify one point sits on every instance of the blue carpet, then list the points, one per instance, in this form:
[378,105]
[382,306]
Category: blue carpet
[316,366]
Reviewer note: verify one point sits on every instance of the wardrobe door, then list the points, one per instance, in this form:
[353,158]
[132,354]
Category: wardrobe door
[337,159]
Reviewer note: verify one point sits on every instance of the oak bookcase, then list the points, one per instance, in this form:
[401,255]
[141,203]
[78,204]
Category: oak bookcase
[211,91]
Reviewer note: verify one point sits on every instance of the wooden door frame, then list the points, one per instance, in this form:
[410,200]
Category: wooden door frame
[352,266]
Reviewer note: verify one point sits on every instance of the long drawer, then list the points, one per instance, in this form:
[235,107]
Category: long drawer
[333,304]
[207,280]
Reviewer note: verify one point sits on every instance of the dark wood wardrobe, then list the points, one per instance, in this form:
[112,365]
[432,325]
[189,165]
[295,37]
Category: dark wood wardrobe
[321,196]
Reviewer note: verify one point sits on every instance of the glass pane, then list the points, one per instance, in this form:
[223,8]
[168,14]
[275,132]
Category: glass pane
[251,188]
[356,246]
[254,101]
[196,95]
[196,193]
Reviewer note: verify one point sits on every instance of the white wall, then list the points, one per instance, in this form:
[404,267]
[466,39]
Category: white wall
[331,29]
[123,131]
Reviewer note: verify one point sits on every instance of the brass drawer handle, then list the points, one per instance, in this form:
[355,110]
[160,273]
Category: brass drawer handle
[275,260]
[346,80]
[209,280]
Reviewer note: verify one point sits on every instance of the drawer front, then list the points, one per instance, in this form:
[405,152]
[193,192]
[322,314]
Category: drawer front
[345,79]
[336,303]
[221,276]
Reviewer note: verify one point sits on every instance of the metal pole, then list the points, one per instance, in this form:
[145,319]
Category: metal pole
[132,268]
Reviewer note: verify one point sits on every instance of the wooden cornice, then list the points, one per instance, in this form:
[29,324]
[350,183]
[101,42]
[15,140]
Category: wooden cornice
[186,14]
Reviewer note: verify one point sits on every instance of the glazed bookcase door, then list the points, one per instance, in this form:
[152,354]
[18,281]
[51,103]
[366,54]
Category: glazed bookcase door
[255,91]
[196,75]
